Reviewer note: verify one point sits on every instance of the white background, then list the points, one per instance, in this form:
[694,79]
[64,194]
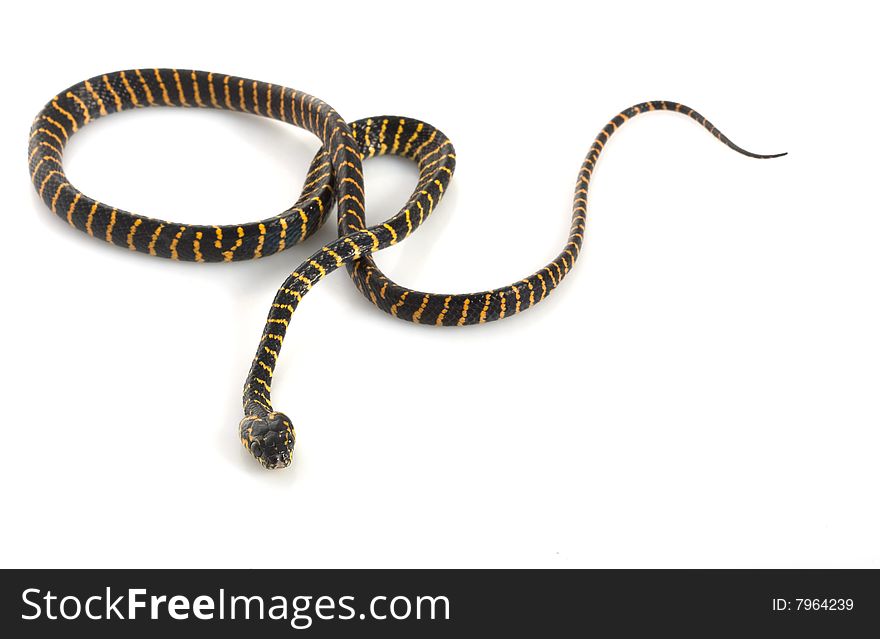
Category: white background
[701,391]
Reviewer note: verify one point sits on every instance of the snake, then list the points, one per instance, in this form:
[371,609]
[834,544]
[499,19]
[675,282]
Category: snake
[335,177]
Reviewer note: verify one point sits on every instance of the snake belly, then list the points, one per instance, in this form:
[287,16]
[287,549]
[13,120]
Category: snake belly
[334,177]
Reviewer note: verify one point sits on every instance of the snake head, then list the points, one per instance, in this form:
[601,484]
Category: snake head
[270,439]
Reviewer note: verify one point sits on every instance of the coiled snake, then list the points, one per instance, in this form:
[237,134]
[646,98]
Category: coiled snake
[334,176]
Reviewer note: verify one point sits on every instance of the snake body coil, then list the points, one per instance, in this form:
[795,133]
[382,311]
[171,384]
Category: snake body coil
[335,176]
